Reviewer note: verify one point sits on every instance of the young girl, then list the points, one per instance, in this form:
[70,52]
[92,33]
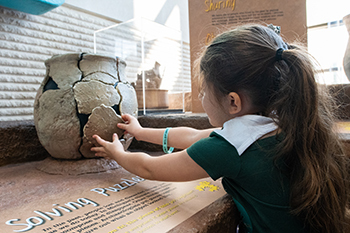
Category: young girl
[275,150]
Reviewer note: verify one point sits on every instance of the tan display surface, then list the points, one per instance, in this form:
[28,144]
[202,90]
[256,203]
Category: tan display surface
[113,201]
[208,18]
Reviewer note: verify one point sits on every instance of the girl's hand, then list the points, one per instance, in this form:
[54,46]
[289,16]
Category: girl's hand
[108,149]
[131,126]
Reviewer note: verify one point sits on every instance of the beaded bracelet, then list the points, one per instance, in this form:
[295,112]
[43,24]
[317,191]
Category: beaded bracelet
[165,142]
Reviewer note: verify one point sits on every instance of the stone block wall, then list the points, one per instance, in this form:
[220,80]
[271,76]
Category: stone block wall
[26,41]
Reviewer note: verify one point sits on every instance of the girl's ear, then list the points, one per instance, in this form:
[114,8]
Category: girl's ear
[235,103]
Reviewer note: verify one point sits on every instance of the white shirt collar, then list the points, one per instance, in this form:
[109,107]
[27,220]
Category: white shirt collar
[243,131]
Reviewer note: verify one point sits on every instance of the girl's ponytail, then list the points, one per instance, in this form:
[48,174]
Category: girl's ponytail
[311,148]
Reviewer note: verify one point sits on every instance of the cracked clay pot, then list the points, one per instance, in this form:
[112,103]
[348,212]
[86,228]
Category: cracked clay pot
[82,95]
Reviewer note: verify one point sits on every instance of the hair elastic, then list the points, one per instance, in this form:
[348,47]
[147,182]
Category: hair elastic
[165,142]
[279,52]
[276,29]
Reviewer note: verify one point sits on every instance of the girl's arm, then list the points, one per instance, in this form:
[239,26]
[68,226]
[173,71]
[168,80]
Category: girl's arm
[170,167]
[179,137]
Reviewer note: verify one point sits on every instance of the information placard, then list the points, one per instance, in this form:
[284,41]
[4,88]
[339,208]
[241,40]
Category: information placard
[208,18]
[114,201]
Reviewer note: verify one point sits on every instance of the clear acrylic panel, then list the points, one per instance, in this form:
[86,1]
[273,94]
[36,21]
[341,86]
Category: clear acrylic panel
[154,62]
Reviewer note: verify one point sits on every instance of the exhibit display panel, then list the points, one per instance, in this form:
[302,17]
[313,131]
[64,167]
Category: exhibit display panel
[113,201]
[207,19]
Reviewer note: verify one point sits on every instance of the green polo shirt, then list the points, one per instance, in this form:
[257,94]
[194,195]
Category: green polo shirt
[259,189]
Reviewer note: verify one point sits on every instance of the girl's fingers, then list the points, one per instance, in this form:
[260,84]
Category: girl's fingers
[115,137]
[97,149]
[126,117]
[99,140]
[121,126]
[96,137]
[98,155]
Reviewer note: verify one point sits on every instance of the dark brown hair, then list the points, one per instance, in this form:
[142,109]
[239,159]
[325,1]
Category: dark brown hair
[243,60]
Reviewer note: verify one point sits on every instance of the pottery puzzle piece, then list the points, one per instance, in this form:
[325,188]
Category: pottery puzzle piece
[103,122]
[94,93]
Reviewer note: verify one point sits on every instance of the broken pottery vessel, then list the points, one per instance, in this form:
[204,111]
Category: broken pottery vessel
[346,60]
[82,95]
